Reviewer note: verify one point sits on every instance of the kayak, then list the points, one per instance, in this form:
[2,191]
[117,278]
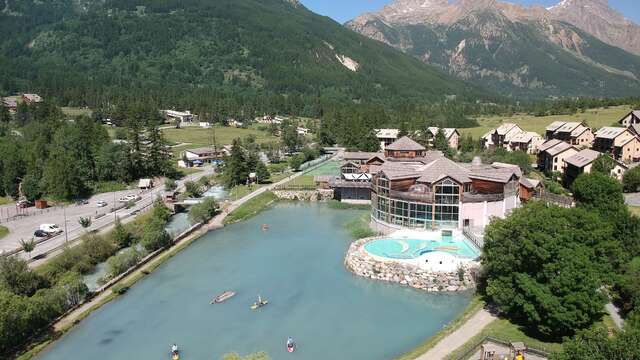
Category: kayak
[222,297]
[291,348]
[175,357]
[257,305]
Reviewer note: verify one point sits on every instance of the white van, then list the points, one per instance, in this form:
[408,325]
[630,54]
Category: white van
[50,228]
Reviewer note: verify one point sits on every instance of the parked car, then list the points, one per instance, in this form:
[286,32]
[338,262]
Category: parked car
[50,228]
[101,203]
[82,202]
[40,233]
[130,197]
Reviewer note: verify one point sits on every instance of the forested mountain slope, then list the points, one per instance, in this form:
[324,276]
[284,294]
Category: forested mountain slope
[190,51]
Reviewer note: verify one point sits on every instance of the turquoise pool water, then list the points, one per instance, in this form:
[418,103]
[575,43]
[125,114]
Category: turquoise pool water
[412,248]
[297,265]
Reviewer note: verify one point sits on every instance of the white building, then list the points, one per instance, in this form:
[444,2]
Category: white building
[180,116]
[386,136]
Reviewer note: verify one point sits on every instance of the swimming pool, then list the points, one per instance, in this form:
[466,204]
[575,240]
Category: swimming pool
[402,248]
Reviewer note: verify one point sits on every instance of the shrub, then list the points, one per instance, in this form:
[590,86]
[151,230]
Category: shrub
[122,262]
[119,289]
[631,180]
[204,211]
[192,189]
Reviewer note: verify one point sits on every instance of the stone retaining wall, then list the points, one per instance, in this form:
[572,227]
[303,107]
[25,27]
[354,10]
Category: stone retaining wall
[361,263]
[304,195]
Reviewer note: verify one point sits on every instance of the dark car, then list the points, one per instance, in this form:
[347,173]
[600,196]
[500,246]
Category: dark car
[40,233]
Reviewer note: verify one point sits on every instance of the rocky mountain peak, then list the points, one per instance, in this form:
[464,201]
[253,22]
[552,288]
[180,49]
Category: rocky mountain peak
[601,21]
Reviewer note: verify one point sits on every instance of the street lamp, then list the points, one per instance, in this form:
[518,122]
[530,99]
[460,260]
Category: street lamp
[66,234]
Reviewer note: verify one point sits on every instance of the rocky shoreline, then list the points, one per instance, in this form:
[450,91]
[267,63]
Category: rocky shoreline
[304,195]
[362,264]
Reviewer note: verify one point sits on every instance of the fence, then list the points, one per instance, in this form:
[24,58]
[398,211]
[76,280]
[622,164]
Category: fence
[295,187]
[478,241]
[315,162]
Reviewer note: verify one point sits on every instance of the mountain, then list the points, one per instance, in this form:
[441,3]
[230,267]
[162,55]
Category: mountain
[91,51]
[515,50]
[598,19]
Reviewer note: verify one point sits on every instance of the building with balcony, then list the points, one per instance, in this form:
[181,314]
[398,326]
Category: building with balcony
[620,143]
[551,156]
[386,137]
[574,133]
[451,134]
[441,193]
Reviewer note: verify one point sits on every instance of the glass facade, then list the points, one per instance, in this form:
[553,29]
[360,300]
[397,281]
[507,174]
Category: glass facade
[445,211]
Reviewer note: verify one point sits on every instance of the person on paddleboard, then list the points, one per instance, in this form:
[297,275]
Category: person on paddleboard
[174,349]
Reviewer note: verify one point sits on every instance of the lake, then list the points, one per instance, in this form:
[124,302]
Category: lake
[297,265]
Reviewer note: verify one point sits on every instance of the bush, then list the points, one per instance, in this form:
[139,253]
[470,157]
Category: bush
[121,236]
[631,180]
[122,262]
[204,211]
[192,189]
[120,289]
[170,184]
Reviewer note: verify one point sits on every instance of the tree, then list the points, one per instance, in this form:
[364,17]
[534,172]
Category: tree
[5,116]
[290,138]
[155,238]
[597,191]
[603,164]
[262,173]
[204,211]
[595,344]
[369,141]
[235,169]
[30,187]
[543,269]
[631,180]
[15,276]
[85,222]
[74,288]
[170,185]
[28,246]
[440,142]
[192,189]
[121,236]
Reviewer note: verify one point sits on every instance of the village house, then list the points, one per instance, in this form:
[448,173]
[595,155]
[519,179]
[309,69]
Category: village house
[404,148]
[574,133]
[178,116]
[31,98]
[11,104]
[551,155]
[200,156]
[302,131]
[618,142]
[527,141]
[235,123]
[451,134]
[386,136]
[631,118]
[500,137]
[582,162]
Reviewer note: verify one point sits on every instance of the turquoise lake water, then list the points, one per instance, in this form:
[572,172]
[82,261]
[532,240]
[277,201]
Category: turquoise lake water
[297,265]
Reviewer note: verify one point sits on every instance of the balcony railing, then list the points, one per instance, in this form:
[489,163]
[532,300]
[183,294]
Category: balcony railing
[471,197]
[428,198]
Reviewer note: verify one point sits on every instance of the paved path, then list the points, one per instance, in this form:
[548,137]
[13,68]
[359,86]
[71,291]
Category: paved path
[632,199]
[459,337]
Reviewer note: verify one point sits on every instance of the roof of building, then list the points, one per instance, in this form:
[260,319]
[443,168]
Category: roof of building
[505,128]
[559,148]
[610,132]
[635,113]
[405,144]
[32,97]
[387,133]
[444,168]
[568,127]
[635,128]
[582,158]
[202,151]
[529,183]
[502,175]
[360,155]
[524,137]
[9,102]
[447,131]
[555,125]
[549,144]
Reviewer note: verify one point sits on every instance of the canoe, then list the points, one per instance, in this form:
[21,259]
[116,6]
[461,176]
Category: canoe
[222,297]
[175,357]
[291,348]
[259,305]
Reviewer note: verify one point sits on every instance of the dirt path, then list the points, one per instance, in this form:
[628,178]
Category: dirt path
[459,337]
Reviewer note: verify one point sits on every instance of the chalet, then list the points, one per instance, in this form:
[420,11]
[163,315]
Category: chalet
[530,188]
[404,148]
[635,129]
[31,98]
[631,118]
[178,116]
[201,156]
[386,137]
[527,141]
[551,155]
[452,135]
[574,133]
[360,158]
[619,143]
[235,123]
[500,137]
[582,162]
[11,104]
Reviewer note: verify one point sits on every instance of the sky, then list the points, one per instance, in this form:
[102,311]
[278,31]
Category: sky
[344,10]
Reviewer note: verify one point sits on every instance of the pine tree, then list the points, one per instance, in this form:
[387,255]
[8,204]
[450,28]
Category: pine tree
[235,169]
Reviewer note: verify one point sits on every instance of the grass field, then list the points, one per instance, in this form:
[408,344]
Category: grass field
[4,200]
[75,111]
[596,118]
[635,210]
[3,231]
[251,207]
[199,137]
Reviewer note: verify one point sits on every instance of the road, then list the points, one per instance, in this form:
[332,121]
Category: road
[632,199]
[24,228]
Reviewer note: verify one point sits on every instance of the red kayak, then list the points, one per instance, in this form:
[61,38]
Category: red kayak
[291,348]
